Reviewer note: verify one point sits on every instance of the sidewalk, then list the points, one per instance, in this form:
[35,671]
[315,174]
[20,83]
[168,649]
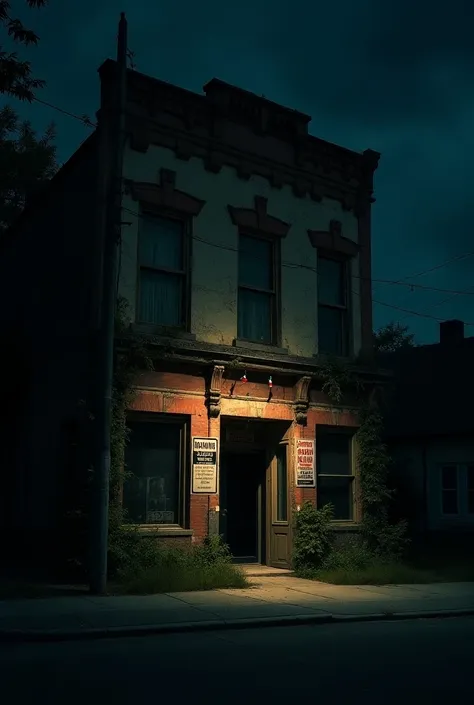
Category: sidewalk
[270,601]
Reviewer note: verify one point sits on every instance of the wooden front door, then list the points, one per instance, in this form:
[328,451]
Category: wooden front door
[279,510]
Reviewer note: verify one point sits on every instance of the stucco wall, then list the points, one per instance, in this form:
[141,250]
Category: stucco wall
[414,458]
[214,268]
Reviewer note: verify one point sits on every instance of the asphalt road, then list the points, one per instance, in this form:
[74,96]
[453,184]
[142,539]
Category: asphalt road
[380,662]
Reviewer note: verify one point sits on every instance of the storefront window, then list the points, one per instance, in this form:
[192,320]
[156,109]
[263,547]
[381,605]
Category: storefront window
[153,462]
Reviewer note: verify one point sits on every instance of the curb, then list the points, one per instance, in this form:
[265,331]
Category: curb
[57,635]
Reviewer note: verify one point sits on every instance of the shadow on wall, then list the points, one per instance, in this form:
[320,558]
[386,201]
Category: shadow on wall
[16,390]
[407,501]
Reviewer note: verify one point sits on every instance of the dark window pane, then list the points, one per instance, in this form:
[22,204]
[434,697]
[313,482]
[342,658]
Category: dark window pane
[334,453]
[161,298]
[450,501]
[450,478]
[470,477]
[470,488]
[331,282]
[161,243]
[338,492]
[152,458]
[331,330]
[470,501]
[282,485]
[255,263]
[255,316]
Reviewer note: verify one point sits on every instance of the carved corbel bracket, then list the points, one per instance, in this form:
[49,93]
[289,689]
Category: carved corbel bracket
[302,399]
[215,391]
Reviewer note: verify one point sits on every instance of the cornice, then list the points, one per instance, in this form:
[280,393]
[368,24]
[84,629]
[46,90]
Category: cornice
[232,127]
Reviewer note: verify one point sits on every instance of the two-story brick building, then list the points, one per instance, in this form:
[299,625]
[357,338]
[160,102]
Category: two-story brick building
[245,255]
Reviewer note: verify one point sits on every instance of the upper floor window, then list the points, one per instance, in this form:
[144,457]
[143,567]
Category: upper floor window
[333,298]
[257,297]
[162,286]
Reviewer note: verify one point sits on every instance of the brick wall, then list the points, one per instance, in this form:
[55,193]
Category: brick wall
[184,394]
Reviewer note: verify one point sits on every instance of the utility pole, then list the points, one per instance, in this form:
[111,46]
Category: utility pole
[111,138]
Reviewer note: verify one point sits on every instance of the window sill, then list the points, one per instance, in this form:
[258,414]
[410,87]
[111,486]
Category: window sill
[325,357]
[345,525]
[164,331]
[163,530]
[260,347]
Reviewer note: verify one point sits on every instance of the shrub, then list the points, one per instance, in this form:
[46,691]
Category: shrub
[387,541]
[352,554]
[212,551]
[142,565]
[313,537]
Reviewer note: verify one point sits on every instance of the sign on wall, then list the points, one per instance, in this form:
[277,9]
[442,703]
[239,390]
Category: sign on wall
[204,465]
[305,464]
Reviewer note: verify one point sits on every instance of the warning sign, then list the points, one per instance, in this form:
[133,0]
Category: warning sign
[305,465]
[204,462]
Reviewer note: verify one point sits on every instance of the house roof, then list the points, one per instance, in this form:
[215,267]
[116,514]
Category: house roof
[433,389]
[50,188]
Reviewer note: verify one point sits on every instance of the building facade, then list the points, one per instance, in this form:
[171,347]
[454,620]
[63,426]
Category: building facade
[432,439]
[245,260]
[246,256]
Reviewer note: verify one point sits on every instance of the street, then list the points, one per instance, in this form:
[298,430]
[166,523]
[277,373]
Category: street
[379,662]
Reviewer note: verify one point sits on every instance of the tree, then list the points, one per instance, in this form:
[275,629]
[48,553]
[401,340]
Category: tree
[27,163]
[15,75]
[393,337]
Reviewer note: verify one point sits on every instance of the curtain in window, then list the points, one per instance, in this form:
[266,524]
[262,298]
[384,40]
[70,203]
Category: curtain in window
[255,263]
[254,316]
[160,298]
[161,258]
[331,283]
[161,243]
[331,338]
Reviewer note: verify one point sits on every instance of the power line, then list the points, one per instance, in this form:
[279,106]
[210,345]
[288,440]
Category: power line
[84,118]
[296,265]
[313,269]
[402,281]
[412,313]
[456,258]
[443,301]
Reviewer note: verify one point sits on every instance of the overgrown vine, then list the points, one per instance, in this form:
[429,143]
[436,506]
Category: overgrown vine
[384,538]
[131,358]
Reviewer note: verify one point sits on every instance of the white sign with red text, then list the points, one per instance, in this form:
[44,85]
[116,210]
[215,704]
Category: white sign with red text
[305,471]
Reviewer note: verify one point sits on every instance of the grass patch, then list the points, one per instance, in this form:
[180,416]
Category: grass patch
[353,563]
[377,574]
[176,577]
[144,567]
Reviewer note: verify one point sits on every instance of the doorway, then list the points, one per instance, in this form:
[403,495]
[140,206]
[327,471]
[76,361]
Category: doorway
[243,501]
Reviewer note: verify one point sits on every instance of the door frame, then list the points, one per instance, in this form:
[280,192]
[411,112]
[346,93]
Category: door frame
[271,509]
[262,494]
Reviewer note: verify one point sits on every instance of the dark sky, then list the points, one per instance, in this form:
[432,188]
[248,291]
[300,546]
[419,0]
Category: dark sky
[395,76]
